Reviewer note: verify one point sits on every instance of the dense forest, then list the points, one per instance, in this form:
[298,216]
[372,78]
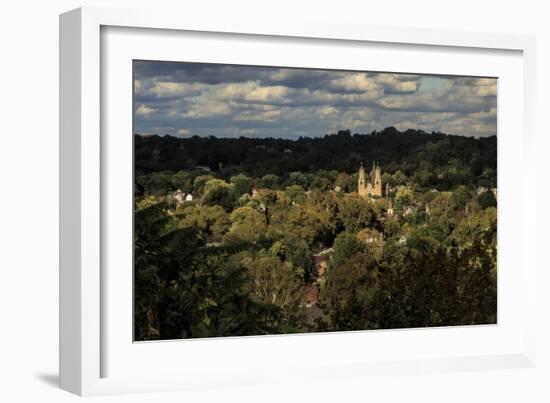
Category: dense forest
[246,236]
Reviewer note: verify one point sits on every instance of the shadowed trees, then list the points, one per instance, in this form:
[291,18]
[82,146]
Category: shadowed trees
[230,234]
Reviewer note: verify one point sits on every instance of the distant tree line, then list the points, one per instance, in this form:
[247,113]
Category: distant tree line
[430,159]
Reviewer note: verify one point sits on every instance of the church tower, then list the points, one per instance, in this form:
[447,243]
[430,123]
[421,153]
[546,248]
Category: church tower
[371,185]
[389,211]
[361,182]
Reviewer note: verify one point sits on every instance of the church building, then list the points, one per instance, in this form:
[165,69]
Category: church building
[371,186]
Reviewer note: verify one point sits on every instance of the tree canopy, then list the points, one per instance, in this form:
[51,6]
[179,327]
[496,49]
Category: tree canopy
[242,236]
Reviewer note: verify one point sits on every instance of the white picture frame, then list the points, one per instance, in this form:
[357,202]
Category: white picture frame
[85,343]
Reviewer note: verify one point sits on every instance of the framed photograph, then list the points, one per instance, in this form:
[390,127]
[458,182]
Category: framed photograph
[241,204]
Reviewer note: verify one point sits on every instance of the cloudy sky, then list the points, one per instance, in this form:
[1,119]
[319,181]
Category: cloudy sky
[186,99]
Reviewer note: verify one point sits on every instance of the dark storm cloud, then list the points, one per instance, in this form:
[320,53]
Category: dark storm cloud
[225,100]
[198,72]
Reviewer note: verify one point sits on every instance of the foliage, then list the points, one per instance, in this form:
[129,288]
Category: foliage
[403,196]
[345,246]
[212,221]
[183,290]
[355,212]
[241,184]
[487,199]
[432,160]
[219,192]
[272,281]
[247,225]
[243,256]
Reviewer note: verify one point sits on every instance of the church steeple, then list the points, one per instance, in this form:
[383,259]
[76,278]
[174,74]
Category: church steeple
[389,211]
[372,187]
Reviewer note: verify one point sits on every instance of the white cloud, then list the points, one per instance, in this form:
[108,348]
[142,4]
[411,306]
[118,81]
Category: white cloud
[356,118]
[358,82]
[252,91]
[168,88]
[486,90]
[207,108]
[292,101]
[398,82]
[491,113]
[267,93]
[267,116]
[326,112]
[283,74]
[144,110]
